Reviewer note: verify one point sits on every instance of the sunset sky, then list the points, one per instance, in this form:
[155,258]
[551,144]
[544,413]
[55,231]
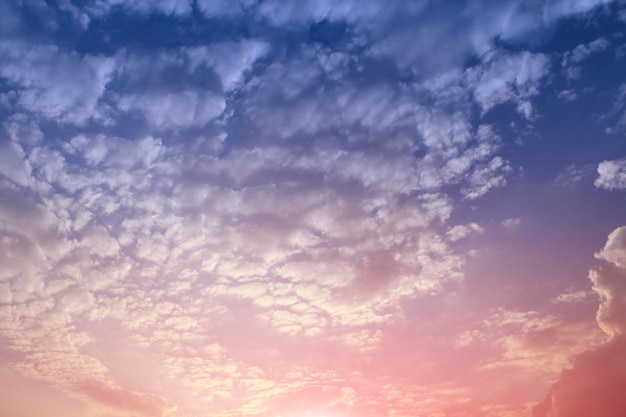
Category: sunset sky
[312,208]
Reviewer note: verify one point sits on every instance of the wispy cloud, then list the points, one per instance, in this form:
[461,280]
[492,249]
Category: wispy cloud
[574,175]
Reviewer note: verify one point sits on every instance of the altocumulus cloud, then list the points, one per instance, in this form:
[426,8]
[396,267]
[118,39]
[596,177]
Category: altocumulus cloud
[278,179]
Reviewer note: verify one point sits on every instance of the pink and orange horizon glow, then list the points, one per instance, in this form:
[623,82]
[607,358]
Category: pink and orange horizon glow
[312,208]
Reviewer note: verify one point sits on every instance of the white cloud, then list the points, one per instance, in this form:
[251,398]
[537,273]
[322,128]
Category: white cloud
[12,163]
[443,37]
[557,9]
[611,175]
[571,60]
[22,129]
[610,283]
[40,74]
[572,297]
[460,231]
[121,221]
[504,78]
[568,95]
[584,51]
[487,177]
[614,251]
[231,61]
[116,152]
[535,342]
[512,223]
[302,12]
[574,175]
[191,99]
[175,110]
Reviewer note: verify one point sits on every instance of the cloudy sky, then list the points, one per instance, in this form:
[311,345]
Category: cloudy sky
[312,208]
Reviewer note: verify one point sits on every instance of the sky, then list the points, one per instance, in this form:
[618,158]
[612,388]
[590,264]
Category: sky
[312,208]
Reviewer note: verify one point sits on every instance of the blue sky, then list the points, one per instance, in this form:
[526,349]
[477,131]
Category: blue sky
[312,208]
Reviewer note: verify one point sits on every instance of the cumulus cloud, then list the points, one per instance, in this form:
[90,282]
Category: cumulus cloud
[609,283]
[611,175]
[593,383]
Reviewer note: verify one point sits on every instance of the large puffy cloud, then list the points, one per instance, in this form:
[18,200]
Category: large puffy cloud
[594,384]
[610,283]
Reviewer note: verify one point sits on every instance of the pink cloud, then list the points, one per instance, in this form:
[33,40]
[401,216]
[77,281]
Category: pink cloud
[148,405]
[594,385]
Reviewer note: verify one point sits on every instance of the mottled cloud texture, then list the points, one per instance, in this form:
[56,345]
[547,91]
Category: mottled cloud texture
[289,208]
